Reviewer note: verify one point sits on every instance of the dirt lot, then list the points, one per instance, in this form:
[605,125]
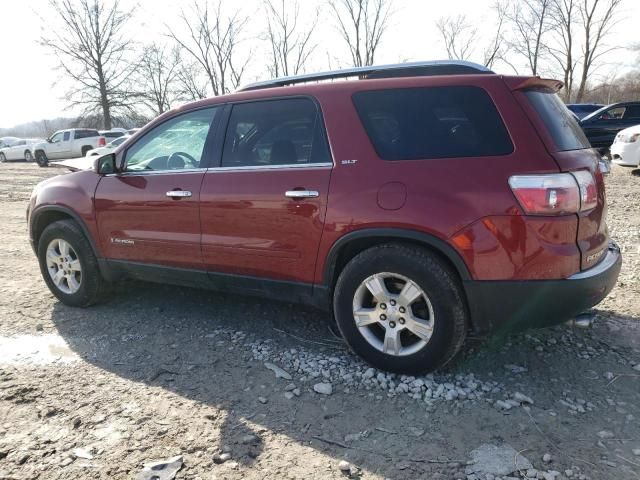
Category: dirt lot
[160,372]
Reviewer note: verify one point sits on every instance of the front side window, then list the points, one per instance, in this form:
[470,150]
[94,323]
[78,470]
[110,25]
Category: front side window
[432,122]
[56,138]
[275,132]
[177,144]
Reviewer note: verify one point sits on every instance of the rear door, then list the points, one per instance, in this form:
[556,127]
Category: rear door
[150,212]
[263,208]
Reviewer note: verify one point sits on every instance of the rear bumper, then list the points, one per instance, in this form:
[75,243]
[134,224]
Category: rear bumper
[516,305]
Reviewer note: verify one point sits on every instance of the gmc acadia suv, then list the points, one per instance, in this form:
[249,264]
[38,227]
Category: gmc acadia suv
[417,202]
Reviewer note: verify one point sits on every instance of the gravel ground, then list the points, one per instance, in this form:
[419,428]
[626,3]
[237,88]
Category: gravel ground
[229,387]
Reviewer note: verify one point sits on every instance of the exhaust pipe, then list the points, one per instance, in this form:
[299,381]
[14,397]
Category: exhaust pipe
[583,321]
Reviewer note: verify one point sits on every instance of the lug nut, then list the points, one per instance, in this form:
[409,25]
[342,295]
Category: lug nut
[392,302]
[402,310]
[383,317]
[392,324]
[383,306]
[401,320]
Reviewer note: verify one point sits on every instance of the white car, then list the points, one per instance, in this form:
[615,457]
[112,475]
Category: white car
[626,147]
[20,149]
[108,148]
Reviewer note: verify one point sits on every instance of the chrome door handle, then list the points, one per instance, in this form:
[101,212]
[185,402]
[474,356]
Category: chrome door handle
[178,193]
[302,194]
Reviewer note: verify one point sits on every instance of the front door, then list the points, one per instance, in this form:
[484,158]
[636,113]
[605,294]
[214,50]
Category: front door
[263,209]
[149,213]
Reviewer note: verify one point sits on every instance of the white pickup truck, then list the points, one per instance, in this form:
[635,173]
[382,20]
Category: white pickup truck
[71,143]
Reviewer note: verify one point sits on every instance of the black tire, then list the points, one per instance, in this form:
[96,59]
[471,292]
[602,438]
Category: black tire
[84,151]
[42,159]
[438,282]
[93,287]
[3,158]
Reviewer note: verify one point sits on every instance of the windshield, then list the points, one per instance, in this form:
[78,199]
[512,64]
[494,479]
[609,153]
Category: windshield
[559,120]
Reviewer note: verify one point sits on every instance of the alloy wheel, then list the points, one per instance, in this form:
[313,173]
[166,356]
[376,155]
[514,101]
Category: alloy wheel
[393,314]
[64,266]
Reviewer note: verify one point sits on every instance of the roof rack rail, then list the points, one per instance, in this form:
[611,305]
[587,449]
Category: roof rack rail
[412,69]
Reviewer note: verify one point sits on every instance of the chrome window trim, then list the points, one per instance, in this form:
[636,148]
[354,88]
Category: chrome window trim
[249,168]
[155,172]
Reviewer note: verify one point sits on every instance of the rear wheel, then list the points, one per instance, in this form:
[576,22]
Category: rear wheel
[27,156]
[401,308]
[42,159]
[69,266]
[2,157]
[85,150]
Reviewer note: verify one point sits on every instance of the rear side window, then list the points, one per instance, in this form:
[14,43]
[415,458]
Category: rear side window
[432,122]
[275,132]
[561,124]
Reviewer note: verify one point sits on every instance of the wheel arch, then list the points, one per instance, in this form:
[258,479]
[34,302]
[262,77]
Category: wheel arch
[349,245]
[46,215]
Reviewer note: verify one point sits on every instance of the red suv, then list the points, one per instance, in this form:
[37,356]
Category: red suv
[416,202]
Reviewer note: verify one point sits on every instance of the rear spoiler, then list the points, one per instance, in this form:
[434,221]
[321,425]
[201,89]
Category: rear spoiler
[534,83]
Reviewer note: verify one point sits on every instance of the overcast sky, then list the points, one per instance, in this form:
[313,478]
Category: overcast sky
[31,88]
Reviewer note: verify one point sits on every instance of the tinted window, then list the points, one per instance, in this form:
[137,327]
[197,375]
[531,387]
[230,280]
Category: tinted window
[435,122]
[561,124]
[85,133]
[67,136]
[276,132]
[632,112]
[176,144]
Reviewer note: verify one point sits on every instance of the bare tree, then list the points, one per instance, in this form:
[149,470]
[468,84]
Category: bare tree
[458,35]
[530,21]
[191,84]
[92,49]
[290,43]
[158,74]
[597,18]
[361,24]
[564,13]
[212,40]
[496,49]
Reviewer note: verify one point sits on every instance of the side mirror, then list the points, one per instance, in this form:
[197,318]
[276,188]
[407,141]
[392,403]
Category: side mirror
[105,164]
[49,140]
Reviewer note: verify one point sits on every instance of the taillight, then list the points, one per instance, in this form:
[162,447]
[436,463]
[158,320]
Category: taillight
[588,189]
[556,193]
[102,142]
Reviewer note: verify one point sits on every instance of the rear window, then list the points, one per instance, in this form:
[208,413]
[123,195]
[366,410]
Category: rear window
[432,122]
[86,134]
[561,124]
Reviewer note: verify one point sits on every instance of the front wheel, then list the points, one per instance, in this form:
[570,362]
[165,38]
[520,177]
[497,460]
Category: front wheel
[42,159]
[69,266]
[401,309]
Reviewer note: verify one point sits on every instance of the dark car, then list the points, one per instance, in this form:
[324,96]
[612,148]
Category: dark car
[416,204]
[602,126]
[583,109]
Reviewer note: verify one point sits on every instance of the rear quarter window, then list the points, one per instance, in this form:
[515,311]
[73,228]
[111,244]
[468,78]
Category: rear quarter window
[566,132]
[432,122]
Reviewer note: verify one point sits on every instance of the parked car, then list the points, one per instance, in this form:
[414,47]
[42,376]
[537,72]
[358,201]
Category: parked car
[625,150]
[602,126]
[417,202]
[74,142]
[20,150]
[8,141]
[108,148]
[131,131]
[583,109]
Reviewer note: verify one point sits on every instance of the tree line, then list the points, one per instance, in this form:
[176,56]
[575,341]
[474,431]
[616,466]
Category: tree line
[207,51]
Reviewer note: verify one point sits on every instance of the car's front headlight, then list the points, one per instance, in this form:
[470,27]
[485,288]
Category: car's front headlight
[628,138]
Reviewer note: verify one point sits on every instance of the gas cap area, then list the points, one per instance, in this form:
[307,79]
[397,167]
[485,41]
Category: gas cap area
[392,196]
